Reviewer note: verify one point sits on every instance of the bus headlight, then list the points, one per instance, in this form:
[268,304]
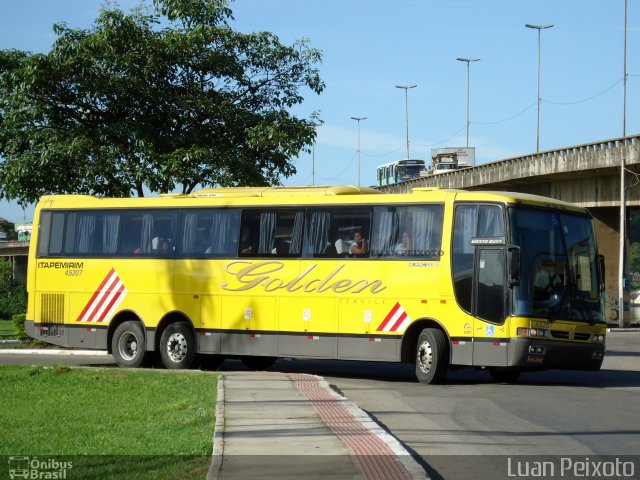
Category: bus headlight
[532,332]
[597,338]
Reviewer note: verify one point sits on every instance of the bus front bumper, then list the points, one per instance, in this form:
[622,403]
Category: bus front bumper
[536,354]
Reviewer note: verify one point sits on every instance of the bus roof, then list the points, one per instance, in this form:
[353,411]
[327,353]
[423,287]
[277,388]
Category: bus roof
[404,161]
[284,191]
[227,196]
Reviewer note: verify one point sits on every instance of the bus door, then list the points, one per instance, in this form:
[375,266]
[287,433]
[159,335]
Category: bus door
[478,262]
[490,332]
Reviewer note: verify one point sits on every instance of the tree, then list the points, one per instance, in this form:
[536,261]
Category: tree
[130,104]
[12,292]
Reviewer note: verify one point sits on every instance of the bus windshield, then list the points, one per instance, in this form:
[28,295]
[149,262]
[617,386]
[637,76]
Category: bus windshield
[407,172]
[558,265]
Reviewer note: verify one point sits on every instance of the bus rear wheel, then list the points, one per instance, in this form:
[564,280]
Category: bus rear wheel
[128,345]
[432,356]
[178,346]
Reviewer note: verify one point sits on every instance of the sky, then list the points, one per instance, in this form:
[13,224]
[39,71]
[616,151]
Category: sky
[370,46]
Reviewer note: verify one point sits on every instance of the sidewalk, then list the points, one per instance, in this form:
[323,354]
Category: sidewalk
[291,426]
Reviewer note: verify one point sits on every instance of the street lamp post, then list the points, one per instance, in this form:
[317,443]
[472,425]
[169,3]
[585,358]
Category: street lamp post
[358,119]
[468,61]
[623,200]
[406,111]
[538,28]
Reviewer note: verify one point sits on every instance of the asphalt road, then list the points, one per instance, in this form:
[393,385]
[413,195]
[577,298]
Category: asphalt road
[484,427]
[472,427]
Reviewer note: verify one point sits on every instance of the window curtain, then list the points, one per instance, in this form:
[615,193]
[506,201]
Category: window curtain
[85,232]
[317,233]
[490,224]
[224,232]
[110,231]
[427,229]
[146,234]
[296,235]
[267,233]
[384,236]
[465,228]
[189,233]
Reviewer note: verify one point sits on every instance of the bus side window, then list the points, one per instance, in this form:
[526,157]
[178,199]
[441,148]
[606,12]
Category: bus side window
[351,231]
[209,233]
[271,233]
[51,233]
[91,233]
[407,231]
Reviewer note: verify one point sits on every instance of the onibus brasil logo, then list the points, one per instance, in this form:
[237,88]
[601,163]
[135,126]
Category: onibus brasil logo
[38,468]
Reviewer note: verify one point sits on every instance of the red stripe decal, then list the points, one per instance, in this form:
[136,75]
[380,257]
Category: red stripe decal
[113,300]
[95,294]
[399,321]
[388,317]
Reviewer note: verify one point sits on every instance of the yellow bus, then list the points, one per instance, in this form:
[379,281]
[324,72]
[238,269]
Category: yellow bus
[438,278]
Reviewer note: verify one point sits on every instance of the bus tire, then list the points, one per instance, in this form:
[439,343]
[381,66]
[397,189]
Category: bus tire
[178,346]
[258,363]
[504,375]
[432,356]
[128,345]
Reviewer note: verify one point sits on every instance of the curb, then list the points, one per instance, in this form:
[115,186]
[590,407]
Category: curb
[218,434]
[616,329]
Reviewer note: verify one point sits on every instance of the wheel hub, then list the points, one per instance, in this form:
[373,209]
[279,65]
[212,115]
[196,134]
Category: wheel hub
[128,346]
[177,347]
[425,357]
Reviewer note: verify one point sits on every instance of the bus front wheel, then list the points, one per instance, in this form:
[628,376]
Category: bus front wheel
[128,345]
[431,356]
[178,346]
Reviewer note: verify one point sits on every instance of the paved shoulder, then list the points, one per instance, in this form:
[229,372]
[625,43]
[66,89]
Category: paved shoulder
[279,425]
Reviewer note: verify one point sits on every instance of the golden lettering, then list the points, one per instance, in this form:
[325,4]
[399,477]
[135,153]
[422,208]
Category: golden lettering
[375,286]
[290,286]
[342,286]
[250,275]
[273,285]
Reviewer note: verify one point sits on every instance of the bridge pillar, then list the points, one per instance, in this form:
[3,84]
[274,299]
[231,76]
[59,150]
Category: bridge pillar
[607,226]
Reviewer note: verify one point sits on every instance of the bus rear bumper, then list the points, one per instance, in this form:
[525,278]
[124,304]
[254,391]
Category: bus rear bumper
[545,354]
[78,336]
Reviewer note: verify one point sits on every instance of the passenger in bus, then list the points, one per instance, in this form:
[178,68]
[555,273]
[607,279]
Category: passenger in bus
[404,247]
[359,245]
[282,247]
[247,247]
[165,248]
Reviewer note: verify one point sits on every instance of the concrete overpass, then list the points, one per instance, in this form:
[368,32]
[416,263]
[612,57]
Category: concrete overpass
[586,175]
[17,253]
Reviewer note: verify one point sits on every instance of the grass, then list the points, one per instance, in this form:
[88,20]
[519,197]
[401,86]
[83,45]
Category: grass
[111,423]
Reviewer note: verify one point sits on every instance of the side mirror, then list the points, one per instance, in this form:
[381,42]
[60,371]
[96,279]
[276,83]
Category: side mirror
[513,261]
